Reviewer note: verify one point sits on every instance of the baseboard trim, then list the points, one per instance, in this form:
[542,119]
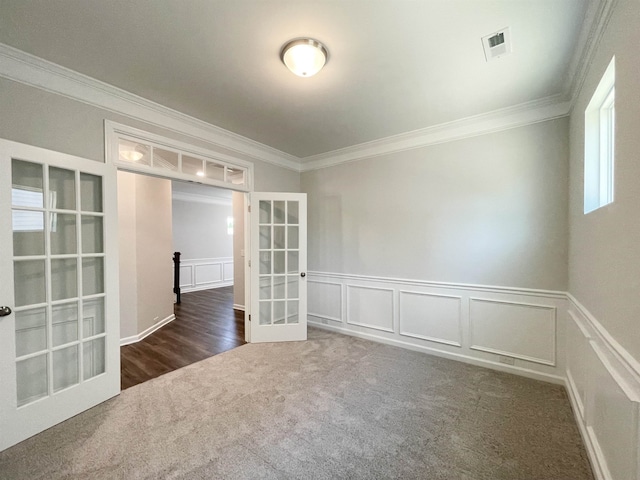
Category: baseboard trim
[523,372]
[147,332]
[240,308]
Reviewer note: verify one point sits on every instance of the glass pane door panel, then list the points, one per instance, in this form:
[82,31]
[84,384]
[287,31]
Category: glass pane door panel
[278,237]
[278,313]
[64,323]
[265,288]
[279,211]
[279,287]
[292,213]
[192,166]
[292,286]
[63,233]
[92,276]
[265,263]
[93,317]
[93,358]
[292,311]
[278,262]
[29,281]
[292,262]
[90,193]
[265,211]
[265,237]
[265,313]
[31,331]
[64,278]
[92,234]
[293,238]
[62,189]
[65,367]
[214,171]
[27,184]
[28,233]
[31,379]
[165,159]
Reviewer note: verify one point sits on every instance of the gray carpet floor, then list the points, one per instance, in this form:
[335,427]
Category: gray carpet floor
[334,407]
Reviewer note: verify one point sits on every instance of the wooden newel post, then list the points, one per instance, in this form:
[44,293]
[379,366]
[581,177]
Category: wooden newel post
[176,276]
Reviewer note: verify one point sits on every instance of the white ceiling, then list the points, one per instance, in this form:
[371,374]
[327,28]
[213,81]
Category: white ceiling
[395,65]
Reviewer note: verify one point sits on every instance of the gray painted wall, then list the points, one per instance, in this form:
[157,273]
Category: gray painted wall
[200,230]
[486,210]
[604,261]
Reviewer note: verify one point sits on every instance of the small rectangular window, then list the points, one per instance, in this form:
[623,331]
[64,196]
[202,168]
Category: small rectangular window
[599,143]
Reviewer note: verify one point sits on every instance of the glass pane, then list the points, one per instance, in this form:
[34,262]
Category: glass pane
[265,262]
[278,211]
[90,193]
[192,166]
[292,311]
[63,233]
[278,237]
[31,379]
[292,262]
[134,152]
[27,184]
[293,238]
[278,287]
[292,212]
[278,262]
[214,171]
[64,278]
[265,237]
[278,313]
[29,282]
[165,159]
[92,276]
[265,313]
[265,288]
[64,320]
[31,331]
[92,317]
[265,211]
[62,189]
[236,175]
[92,236]
[292,286]
[93,358]
[65,368]
[28,233]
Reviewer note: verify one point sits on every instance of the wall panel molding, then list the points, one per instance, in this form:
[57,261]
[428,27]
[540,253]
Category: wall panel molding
[371,303]
[431,314]
[321,296]
[204,273]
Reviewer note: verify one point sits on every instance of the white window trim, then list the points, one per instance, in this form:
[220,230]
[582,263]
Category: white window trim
[115,131]
[599,144]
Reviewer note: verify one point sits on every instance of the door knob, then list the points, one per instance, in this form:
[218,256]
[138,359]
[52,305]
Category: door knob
[303,274]
[4,311]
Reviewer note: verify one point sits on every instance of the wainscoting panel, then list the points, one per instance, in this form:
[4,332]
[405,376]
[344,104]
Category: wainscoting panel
[370,307]
[434,318]
[426,316]
[603,381]
[204,273]
[519,330]
[325,301]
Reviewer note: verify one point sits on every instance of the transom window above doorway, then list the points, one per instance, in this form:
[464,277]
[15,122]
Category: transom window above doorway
[135,150]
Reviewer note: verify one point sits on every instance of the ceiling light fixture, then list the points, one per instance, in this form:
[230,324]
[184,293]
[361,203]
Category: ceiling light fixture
[304,56]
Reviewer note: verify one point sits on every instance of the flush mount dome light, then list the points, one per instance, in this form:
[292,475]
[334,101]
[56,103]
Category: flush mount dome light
[304,56]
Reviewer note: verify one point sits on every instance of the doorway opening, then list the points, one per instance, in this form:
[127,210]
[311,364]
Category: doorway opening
[158,217]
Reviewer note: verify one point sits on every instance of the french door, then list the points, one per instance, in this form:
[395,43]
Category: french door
[278,267]
[59,319]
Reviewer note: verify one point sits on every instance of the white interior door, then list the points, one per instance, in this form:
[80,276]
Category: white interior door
[278,228]
[59,325]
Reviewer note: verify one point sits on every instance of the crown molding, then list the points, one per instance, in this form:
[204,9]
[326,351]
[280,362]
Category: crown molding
[30,70]
[528,113]
[197,198]
[593,29]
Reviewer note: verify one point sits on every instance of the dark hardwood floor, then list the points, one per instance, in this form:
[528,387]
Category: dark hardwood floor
[205,325]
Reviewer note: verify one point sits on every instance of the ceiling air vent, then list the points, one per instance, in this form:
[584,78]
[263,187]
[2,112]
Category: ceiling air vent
[497,44]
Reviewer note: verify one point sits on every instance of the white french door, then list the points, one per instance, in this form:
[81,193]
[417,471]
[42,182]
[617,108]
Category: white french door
[59,319]
[278,228]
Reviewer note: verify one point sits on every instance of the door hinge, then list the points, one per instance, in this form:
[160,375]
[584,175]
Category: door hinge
[249,317]
[249,263]
[249,208]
